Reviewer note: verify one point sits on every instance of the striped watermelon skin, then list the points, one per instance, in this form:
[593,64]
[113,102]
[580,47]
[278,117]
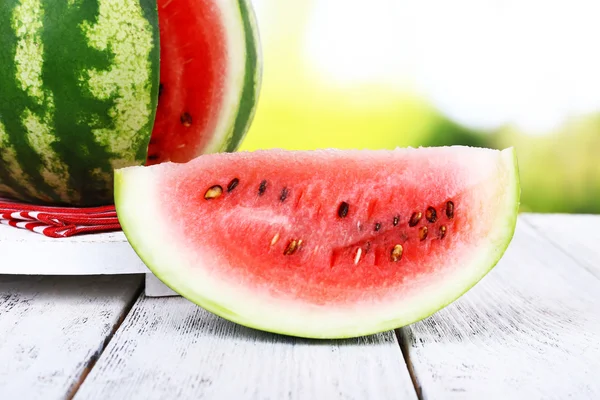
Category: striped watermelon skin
[79,86]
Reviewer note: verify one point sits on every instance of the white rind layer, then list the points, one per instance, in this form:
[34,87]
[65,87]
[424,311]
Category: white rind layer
[235,36]
[184,270]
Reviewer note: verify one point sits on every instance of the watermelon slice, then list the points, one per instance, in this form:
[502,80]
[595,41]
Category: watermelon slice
[324,243]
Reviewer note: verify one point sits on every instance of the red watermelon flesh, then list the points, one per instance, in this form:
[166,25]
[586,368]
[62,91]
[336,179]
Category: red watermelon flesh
[193,57]
[206,60]
[323,243]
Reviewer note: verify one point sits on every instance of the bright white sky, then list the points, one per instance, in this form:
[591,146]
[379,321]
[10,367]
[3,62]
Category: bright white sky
[482,62]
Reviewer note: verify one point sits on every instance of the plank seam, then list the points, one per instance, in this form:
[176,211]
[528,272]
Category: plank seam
[91,362]
[403,343]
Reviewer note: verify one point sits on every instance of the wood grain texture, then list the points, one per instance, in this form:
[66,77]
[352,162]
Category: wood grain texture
[577,235]
[53,328]
[27,253]
[529,330]
[168,348]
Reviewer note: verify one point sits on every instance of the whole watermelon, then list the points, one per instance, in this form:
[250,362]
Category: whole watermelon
[87,86]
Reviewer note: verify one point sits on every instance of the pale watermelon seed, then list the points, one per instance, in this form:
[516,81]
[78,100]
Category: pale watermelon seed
[292,246]
[431,214]
[262,187]
[450,210]
[213,192]
[233,184]
[186,119]
[343,209]
[443,230]
[275,239]
[415,218]
[357,256]
[423,233]
[396,253]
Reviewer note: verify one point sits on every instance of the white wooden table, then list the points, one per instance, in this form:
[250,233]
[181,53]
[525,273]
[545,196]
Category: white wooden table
[529,330]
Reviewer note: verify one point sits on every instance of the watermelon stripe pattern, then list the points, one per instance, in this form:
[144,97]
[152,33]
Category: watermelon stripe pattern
[74,109]
[8,157]
[245,76]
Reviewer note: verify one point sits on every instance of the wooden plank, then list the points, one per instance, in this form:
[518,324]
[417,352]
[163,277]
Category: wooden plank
[529,330]
[168,348]
[102,253]
[155,288]
[52,329]
[578,235]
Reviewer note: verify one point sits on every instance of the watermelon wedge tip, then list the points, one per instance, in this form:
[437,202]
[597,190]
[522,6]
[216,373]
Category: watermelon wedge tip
[323,243]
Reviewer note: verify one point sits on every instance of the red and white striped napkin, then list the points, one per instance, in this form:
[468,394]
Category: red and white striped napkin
[58,222]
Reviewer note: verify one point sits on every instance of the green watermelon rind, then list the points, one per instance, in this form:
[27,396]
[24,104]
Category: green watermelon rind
[245,80]
[252,79]
[130,208]
[71,157]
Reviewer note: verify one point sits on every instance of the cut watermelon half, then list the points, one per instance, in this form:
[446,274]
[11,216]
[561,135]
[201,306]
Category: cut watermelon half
[210,75]
[324,243]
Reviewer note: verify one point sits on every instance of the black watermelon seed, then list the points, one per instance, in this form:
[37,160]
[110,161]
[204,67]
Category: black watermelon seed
[450,210]
[160,89]
[431,214]
[153,157]
[377,226]
[415,218]
[343,209]
[284,194]
[396,220]
[262,187]
[233,184]
[186,119]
